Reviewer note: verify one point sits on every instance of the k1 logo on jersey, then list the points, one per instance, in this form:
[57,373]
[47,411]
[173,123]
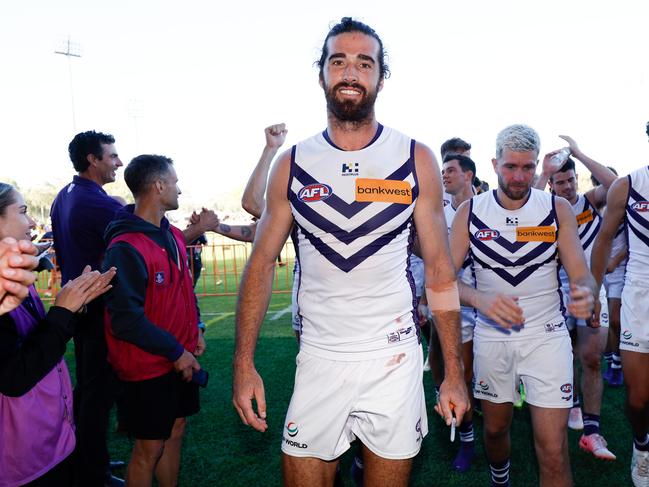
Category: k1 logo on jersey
[486,234]
[314,192]
[640,206]
[159,277]
[350,169]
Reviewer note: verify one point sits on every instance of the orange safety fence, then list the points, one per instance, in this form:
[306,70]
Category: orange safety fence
[221,266]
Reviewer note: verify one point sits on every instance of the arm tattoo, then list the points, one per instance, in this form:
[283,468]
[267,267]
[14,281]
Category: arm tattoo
[225,228]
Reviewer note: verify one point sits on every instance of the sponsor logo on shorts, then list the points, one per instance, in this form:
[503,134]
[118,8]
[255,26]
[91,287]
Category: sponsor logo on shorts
[314,192]
[550,327]
[585,217]
[292,429]
[383,191]
[640,206]
[420,435]
[605,316]
[159,277]
[483,388]
[294,443]
[349,169]
[536,234]
[486,234]
[511,221]
[626,337]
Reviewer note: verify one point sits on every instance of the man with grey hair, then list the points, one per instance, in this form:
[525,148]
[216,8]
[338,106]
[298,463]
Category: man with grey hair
[512,234]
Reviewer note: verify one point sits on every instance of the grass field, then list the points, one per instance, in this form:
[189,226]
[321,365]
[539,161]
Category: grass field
[220,451]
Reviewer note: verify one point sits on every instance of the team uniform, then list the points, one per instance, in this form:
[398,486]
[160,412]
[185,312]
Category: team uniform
[588,224]
[634,337]
[466,276]
[360,361]
[515,253]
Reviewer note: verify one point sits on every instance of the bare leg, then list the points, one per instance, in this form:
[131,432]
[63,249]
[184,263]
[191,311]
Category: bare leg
[590,345]
[381,472]
[636,378]
[144,458]
[308,471]
[613,345]
[169,465]
[551,445]
[497,422]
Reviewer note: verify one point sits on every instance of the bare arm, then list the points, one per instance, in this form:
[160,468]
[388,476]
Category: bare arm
[582,284]
[613,217]
[440,277]
[253,195]
[597,196]
[254,296]
[616,259]
[243,233]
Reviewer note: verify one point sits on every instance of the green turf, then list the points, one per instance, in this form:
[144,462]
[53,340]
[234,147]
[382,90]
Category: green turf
[220,451]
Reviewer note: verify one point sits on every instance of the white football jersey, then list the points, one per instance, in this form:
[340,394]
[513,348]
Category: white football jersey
[515,252]
[354,230]
[637,225]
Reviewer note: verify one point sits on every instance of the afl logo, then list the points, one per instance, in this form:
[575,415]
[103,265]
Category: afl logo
[566,388]
[314,192]
[640,206]
[486,234]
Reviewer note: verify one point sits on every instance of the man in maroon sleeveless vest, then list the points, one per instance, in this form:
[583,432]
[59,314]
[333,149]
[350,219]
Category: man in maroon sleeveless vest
[152,321]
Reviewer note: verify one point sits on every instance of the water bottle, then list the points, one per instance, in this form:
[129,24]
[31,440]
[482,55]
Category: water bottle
[560,158]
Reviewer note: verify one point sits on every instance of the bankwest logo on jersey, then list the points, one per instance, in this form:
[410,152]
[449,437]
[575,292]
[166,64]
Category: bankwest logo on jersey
[383,191]
[486,234]
[640,206]
[536,234]
[314,192]
[585,217]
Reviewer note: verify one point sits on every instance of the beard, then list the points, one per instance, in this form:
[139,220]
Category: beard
[513,193]
[350,110]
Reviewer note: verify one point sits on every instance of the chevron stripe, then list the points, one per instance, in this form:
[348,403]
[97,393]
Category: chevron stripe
[514,280]
[347,264]
[367,227]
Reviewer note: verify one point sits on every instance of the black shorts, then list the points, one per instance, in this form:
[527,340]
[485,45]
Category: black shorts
[153,405]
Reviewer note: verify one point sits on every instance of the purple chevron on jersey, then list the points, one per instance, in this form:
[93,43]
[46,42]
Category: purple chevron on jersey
[347,264]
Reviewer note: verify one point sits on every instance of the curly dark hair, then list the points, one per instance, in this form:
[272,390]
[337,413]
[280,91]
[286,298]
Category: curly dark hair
[347,24]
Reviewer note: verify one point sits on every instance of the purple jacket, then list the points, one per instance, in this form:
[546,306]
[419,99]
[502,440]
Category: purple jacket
[37,428]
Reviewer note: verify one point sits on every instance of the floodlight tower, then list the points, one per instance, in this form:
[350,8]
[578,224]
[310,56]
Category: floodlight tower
[136,111]
[70,49]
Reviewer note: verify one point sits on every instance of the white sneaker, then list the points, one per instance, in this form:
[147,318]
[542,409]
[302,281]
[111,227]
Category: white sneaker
[575,419]
[640,468]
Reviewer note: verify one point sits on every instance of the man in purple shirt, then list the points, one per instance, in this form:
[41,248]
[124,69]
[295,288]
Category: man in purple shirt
[80,214]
